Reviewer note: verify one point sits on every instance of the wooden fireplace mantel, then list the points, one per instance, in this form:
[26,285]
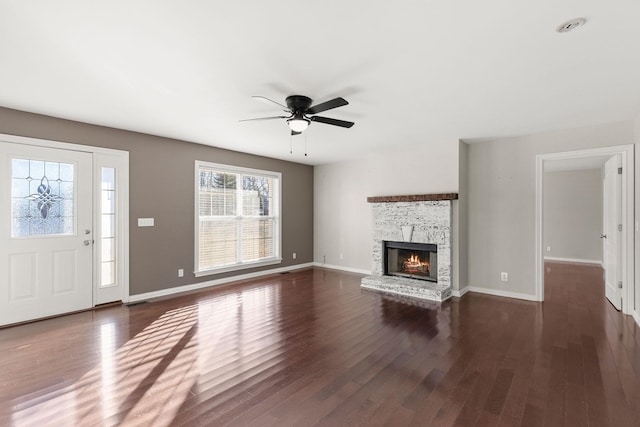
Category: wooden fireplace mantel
[413,198]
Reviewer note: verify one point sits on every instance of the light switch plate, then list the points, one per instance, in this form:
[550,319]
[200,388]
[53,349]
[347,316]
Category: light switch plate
[145,222]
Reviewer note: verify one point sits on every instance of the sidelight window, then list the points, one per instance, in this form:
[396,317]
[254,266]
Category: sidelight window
[108,227]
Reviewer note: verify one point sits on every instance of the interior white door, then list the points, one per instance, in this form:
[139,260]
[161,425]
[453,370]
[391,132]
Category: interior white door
[46,238]
[611,236]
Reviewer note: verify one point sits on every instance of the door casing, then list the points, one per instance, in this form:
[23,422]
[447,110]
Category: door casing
[627,273]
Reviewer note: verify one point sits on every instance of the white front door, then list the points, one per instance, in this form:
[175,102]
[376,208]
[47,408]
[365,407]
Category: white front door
[46,232]
[611,236]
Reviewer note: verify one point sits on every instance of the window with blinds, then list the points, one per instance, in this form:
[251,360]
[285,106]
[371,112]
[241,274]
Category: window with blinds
[237,218]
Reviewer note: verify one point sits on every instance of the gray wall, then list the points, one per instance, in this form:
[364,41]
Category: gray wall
[501,188]
[342,218]
[161,186]
[573,214]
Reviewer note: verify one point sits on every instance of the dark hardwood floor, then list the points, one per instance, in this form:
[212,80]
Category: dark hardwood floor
[311,348]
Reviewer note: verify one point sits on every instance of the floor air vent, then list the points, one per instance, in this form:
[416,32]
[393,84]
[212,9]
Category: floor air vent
[133,304]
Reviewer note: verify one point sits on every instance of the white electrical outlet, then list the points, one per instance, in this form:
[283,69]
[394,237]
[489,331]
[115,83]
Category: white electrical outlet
[548,248]
[294,255]
[504,276]
[181,272]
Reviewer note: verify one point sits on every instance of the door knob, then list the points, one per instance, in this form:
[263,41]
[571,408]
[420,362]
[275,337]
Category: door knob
[87,242]
[603,236]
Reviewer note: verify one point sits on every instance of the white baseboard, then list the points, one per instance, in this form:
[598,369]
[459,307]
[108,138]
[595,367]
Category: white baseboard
[459,293]
[211,283]
[580,261]
[501,293]
[342,268]
[636,317]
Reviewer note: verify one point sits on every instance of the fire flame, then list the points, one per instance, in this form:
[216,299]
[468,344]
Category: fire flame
[413,265]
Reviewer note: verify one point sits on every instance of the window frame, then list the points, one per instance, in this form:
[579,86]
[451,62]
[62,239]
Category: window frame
[276,217]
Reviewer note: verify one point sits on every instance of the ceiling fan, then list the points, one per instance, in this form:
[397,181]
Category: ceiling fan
[301,113]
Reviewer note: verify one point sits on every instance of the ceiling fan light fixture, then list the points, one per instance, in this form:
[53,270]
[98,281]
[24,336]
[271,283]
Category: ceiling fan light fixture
[298,124]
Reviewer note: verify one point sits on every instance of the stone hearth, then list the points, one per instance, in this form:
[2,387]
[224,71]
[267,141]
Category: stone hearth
[416,219]
[407,287]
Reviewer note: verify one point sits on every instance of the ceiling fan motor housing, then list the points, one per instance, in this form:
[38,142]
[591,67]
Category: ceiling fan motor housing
[298,104]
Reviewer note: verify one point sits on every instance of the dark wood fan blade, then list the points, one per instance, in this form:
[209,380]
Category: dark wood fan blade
[334,103]
[294,133]
[329,121]
[263,118]
[269,101]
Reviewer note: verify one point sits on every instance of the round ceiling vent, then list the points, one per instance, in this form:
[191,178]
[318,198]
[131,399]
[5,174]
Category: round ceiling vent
[571,25]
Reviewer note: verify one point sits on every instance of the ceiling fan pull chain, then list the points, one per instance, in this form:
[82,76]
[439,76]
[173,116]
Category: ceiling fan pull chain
[305,143]
[290,144]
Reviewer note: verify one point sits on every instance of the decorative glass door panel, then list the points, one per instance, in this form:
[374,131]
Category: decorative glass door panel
[42,198]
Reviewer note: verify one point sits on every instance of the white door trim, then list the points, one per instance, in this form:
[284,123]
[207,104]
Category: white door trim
[101,156]
[627,154]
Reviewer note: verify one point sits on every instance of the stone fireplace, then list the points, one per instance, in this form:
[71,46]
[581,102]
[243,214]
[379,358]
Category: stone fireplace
[412,246]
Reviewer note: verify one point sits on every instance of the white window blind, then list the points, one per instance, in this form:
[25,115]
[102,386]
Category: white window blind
[238,218]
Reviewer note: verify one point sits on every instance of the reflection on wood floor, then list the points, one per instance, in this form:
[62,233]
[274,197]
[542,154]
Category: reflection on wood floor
[311,348]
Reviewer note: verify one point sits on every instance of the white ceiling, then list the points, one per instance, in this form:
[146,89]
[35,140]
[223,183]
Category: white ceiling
[414,71]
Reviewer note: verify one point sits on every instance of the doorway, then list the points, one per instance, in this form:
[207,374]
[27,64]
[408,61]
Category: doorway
[624,218]
[63,228]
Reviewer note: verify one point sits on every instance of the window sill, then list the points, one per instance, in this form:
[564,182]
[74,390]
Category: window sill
[238,267]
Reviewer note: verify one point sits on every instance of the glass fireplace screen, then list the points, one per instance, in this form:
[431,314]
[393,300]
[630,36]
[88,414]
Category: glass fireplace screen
[412,260]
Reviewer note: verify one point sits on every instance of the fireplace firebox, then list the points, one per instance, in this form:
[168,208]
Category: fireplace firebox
[411,260]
